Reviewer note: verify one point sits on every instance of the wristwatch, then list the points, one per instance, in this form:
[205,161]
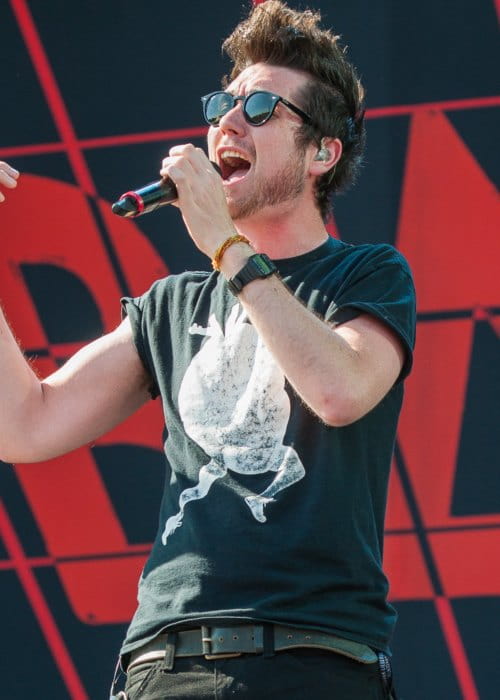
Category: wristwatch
[258,266]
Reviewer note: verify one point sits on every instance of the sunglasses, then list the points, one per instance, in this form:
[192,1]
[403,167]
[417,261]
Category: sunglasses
[258,107]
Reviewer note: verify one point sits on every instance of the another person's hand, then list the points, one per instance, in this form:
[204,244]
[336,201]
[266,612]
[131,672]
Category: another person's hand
[8,178]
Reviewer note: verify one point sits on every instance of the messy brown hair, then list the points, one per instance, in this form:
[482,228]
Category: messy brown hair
[275,34]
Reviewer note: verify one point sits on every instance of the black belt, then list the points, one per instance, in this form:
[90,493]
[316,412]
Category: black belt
[228,642]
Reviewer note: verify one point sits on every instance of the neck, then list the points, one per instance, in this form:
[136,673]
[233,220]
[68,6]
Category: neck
[282,234]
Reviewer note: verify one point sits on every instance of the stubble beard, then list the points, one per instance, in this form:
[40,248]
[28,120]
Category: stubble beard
[281,187]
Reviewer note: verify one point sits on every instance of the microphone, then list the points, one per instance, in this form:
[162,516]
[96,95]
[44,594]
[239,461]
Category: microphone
[148,198]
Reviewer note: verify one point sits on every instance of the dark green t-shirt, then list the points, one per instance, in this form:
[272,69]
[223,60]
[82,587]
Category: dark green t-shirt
[268,514]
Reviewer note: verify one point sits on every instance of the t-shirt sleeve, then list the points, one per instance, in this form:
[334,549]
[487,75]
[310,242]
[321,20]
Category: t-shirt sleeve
[381,286]
[136,308]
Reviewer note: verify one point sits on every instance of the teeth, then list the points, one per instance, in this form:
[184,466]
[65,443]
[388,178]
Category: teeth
[232,154]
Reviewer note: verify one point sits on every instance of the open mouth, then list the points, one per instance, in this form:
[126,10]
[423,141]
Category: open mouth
[233,166]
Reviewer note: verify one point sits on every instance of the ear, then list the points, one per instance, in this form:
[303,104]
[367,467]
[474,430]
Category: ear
[324,159]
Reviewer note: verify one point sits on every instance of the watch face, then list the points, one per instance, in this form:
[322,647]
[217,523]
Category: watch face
[263,264]
[258,266]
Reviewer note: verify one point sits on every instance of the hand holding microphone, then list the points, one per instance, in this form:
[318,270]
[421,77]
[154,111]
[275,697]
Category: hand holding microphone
[195,184]
[148,198]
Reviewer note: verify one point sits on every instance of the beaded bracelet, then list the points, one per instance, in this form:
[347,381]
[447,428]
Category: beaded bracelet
[237,238]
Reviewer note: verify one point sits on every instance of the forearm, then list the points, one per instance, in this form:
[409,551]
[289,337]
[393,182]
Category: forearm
[20,390]
[100,386]
[340,373]
[320,365]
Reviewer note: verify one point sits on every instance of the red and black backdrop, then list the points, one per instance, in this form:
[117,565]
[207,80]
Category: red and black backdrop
[92,96]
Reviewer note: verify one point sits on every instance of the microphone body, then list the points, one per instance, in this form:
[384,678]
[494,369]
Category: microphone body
[145,199]
[148,198]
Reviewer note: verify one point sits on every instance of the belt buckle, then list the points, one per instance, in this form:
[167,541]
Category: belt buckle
[206,640]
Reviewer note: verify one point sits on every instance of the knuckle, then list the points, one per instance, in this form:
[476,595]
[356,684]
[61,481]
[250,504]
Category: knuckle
[176,173]
[180,149]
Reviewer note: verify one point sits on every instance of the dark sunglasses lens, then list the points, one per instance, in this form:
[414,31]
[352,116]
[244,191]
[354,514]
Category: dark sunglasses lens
[217,106]
[259,107]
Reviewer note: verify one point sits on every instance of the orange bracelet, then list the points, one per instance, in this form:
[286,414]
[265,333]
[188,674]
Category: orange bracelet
[237,238]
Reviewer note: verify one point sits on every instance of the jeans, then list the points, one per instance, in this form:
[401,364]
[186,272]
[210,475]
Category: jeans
[301,674]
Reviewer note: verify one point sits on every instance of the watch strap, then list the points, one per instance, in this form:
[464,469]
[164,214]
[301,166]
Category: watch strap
[258,266]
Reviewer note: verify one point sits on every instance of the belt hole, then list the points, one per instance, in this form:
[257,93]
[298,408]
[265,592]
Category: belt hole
[221,639]
[290,636]
[307,636]
[235,637]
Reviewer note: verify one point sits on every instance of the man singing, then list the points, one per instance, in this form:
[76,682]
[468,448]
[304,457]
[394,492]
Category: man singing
[281,378]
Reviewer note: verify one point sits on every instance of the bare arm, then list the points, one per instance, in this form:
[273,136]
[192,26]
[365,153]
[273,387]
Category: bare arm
[340,373]
[96,389]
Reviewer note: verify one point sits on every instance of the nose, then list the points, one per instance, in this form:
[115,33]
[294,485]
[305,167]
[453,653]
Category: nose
[234,121]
